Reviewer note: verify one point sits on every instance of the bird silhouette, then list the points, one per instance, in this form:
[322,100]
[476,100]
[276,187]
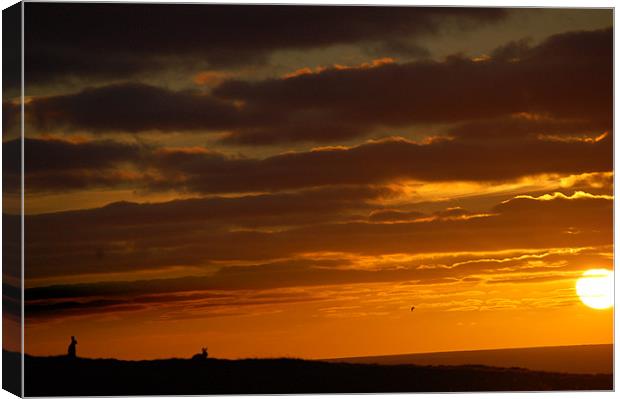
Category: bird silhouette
[413,307]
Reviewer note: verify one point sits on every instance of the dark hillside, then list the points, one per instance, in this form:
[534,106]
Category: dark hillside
[60,376]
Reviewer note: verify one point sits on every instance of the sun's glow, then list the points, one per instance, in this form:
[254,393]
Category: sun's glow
[596,288]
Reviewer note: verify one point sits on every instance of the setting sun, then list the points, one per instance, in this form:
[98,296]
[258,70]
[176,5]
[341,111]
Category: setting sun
[596,288]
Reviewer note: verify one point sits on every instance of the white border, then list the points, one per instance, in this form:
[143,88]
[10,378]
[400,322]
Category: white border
[479,3]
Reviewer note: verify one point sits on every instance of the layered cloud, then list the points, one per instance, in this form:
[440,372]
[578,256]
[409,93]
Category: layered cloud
[57,165]
[564,83]
[524,240]
[237,287]
[555,78]
[76,41]
[124,238]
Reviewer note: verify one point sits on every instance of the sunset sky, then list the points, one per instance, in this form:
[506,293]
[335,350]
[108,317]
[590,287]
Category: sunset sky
[289,181]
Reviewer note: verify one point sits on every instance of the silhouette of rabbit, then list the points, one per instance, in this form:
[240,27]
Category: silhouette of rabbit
[71,352]
[201,356]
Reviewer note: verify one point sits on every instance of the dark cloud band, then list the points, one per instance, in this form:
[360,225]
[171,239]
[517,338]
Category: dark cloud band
[567,79]
[71,41]
[66,166]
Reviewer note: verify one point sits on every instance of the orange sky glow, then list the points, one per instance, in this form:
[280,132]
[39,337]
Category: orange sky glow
[270,195]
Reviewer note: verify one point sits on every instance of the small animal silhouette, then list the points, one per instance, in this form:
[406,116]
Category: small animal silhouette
[201,356]
[71,351]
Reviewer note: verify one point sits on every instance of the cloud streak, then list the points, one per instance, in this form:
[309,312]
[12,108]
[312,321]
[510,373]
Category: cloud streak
[72,243]
[236,286]
[83,165]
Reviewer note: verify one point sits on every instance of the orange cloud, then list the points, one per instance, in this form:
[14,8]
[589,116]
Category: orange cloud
[569,139]
[593,180]
[559,195]
[211,78]
[339,67]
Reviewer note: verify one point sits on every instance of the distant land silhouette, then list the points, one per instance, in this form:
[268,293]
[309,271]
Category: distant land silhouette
[65,376]
[563,359]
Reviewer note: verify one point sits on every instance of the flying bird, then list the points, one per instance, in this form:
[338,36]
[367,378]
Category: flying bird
[413,307]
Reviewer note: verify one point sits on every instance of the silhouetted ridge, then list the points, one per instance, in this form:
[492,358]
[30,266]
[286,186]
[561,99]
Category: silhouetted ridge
[47,377]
